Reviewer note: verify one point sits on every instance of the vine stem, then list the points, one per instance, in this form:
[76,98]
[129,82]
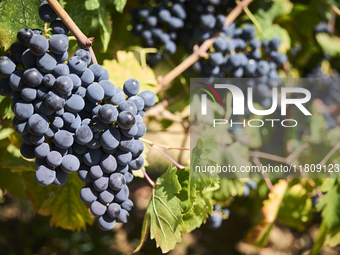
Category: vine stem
[167,147]
[200,51]
[83,41]
[148,178]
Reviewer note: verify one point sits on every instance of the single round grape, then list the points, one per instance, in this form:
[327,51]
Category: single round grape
[47,62]
[32,77]
[137,149]
[42,150]
[101,183]
[77,65]
[128,177]
[54,101]
[41,107]
[40,161]
[148,97]
[127,205]
[106,196]
[128,106]
[83,135]
[45,175]
[76,80]
[126,120]
[37,124]
[95,93]
[46,13]
[131,87]
[131,132]
[126,143]
[87,77]
[97,70]
[106,223]
[107,113]
[70,163]
[54,159]
[63,139]
[57,123]
[117,181]
[118,97]
[113,210]
[136,163]
[37,139]
[49,133]
[121,195]
[78,148]
[58,27]
[16,51]
[48,81]
[97,209]
[94,143]
[108,87]
[141,130]
[61,58]
[108,163]
[38,45]
[123,157]
[123,217]
[88,194]
[63,85]
[60,178]
[61,70]
[69,117]
[58,44]
[15,80]
[110,138]
[28,94]
[138,101]
[75,103]
[96,172]
[21,127]
[24,35]
[105,76]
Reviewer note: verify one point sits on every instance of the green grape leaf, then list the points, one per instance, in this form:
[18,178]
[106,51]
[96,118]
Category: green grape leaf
[229,188]
[105,25]
[126,67]
[5,107]
[296,208]
[259,234]
[164,212]
[63,204]
[196,203]
[91,5]
[278,8]
[15,15]
[119,4]
[329,44]
[329,205]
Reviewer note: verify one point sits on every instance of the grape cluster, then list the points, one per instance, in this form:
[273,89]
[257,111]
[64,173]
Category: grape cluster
[219,214]
[72,118]
[179,22]
[323,27]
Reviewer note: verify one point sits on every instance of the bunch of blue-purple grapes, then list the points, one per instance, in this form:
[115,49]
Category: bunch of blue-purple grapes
[168,24]
[72,118]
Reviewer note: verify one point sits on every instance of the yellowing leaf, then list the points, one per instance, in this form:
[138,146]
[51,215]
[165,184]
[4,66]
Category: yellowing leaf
[329,44]
[126,67]
[61,203]
[259,234]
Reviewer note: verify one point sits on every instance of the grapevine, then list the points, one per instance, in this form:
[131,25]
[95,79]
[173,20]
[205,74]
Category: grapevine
[104,125]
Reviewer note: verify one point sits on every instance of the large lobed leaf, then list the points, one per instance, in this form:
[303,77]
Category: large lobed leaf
[164,212]
[61,203]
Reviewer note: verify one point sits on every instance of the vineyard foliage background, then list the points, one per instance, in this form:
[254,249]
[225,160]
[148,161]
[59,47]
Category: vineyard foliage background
[292,208]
